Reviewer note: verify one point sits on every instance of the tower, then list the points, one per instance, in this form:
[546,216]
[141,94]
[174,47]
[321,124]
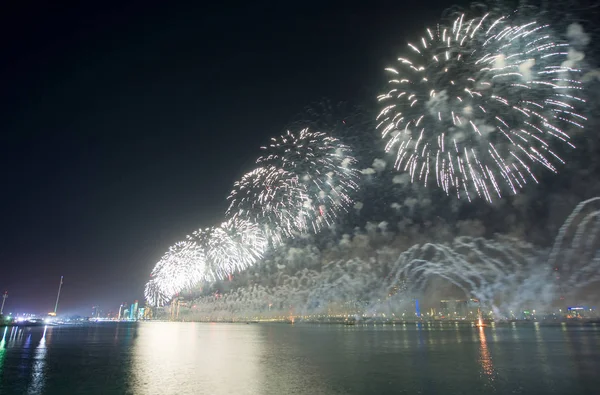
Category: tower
[58,296]
[4,296]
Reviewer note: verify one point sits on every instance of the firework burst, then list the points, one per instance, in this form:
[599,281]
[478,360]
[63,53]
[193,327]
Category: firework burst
[304,181]
[180,268]
[271,198]
[231,247]
[481,104]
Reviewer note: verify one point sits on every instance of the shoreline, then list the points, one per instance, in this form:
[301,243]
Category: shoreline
[406,322]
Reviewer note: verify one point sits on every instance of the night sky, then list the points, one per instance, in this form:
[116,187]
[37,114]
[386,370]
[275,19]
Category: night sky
[124,127]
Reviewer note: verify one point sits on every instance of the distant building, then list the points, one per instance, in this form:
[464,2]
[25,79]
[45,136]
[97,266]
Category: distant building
[95,311]
[580,312]
[134,311]
[459,308]
[141,312]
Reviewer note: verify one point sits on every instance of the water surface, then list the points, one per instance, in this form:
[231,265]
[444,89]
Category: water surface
[197,358]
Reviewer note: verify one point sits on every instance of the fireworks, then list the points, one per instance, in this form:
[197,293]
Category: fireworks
[480,104]
[206,255]
[304,181]
[272,198]
[575,256]
[180,268]
[232,247]
[154,294]
[504,274]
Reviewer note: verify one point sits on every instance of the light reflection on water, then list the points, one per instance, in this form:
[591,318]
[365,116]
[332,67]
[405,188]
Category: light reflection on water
[187,357]
[2,349]
[193,358]
[36,385]
[485,358]
[542,350]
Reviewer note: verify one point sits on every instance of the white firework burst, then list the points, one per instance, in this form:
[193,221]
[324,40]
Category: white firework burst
[480,104]
[231,247]
[271,198]
[180,268]
[305,181]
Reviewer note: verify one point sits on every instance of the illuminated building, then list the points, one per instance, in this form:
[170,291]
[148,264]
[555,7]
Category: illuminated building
[140,315]
[452,308]
[417,308]
[580,312]
[133,311]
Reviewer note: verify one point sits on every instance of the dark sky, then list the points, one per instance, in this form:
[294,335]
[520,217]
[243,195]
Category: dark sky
[123,127]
